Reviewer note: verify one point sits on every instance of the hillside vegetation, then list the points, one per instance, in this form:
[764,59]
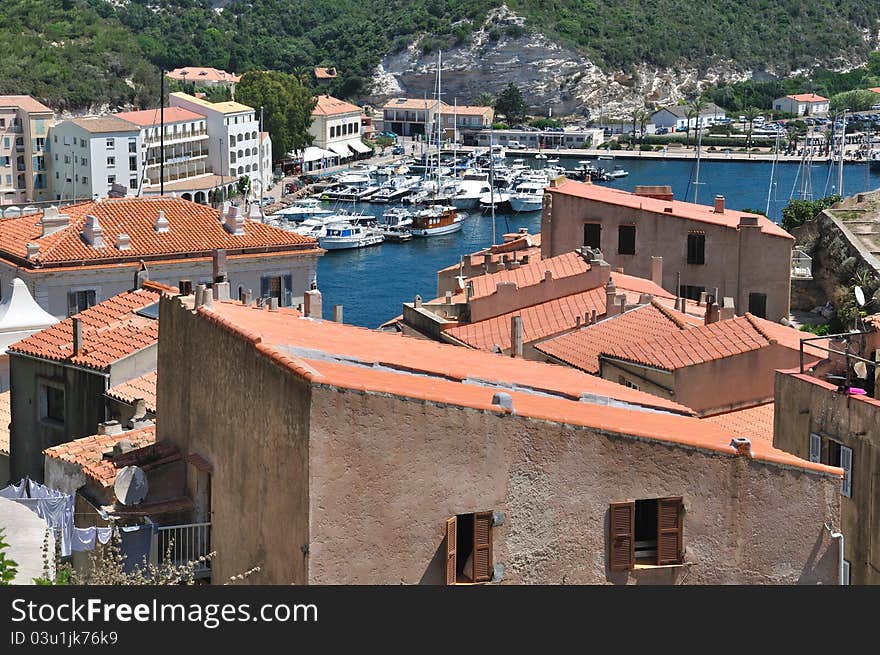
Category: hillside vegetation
[73,53]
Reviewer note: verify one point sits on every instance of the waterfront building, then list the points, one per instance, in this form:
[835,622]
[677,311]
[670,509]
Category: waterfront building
[205,77]
[429,461]
[86,253]
[96,157]
[411,117]
[460,123]
[24,128]
[336,126]
[802,104]
[675,117]
[703,248]
[541,139]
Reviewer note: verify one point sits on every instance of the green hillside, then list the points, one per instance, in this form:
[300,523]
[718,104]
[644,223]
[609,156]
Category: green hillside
[72,53]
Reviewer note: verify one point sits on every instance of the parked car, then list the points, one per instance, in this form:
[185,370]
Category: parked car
[661,130]
[682,128]
[516,145]
[398,150]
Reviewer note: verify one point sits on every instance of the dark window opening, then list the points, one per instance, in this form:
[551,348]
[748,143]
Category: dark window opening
[626,240]
[696,249]
[278,286]
[469,548]
[52,403]
[758,304]
[645,532]
[830,452]
[592,235]
[690,291]
[79,301]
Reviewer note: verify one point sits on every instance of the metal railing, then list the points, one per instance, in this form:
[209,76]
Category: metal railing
[178,136]
[185,543]
[801,265]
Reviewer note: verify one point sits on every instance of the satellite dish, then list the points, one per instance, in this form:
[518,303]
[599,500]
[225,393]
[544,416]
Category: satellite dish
[860,296]
[131,486]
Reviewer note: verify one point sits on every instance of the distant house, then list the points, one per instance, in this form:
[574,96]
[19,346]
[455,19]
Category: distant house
[336,127]
[212,77]
[322,74]
[676,116]
[409,117]
[802,104]
[24,149]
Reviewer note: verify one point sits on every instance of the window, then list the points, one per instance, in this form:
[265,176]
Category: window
[111,161]
[111,144]
[758,304]
[830,452]
[78,301]
[696,248]
[627,383]
[133,183]
[592,235]
[52,402]
[85,180]
[65,140]
[132,145]
[278,286]
[82,143]
[132,163]
[231,157]
[111,180]
[469,548]
[646,533]
[690,291]
[626,240]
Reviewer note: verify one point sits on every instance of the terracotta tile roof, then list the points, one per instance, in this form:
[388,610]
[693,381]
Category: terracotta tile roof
[193,228]
[325,73]
[150,117]
[548,318]
[88,452]
[142,387]
[288,331]
[5,420]
[345,357]
[679,349]
[415,103]
[104,124]
[807,97]
[526,245]
[875,89]
[207,74]
[467,110]
[26,103]
[330,106]
[581,348]
[687,210]
[565,265]
[754,423]
[111,330]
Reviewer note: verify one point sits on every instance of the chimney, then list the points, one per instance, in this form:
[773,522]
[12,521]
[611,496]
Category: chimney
[728,309]
[110,427]
[185,287]
[123,241]
[548,276]
[742,446]
[448,297]
[719,204]
[32,250]
[92,232]
[516,337]
[221,291]
[594,316]
[645,298]
[219,265]
[121,447]
[161,225]
[610,297]
[312,303]
[200,295]
[273,304]
[657,271]
[337,313]
[141,275]
[77,337]
[710,316]
[247,297]
[52,221]
[417,301]
[140,409]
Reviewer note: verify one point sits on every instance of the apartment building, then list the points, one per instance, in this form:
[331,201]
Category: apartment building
[24,127]
[410,117]
[336,126]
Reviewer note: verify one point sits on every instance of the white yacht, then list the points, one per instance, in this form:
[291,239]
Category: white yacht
[395,189]
[302,209]
[354,177]
[618,172]
[528,196]
[397,217]
[343,236]
[468,191]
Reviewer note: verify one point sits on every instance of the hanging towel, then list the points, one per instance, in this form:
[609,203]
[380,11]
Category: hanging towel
[104,534]
[14,491]
[136,542]
[83,539]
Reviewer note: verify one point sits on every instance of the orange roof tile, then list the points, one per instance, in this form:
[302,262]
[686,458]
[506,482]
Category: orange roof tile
[581,348]
[5,420]
[807,97]
[150,117]
[26,103]
[347,357]
[565,265]
[143,387]
[207,74]
[467,110]
[325,72]
[193,228]
[415,103]
[111,330]
[687,210]
[678,349]
[330,106]
[88,452]
[548,318]
[754,423]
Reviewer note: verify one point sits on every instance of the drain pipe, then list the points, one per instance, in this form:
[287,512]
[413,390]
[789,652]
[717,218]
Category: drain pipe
[837,535]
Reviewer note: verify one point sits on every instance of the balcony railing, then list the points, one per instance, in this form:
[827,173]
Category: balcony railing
[186,543]
[179,136]
[801,265]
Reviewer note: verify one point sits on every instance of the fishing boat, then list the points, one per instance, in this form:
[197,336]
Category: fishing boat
[344,236]
[528,196]
[434,220]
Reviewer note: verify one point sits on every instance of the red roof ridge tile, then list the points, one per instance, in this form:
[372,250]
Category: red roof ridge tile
[671,315]
[761,330]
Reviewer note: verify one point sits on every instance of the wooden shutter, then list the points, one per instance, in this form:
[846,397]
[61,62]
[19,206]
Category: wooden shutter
[451,561]
[669,531]
[815,447]
[482,547]
[264,286]
[621,531]
[71,303]
[287,294]
[90,298]
[846,465]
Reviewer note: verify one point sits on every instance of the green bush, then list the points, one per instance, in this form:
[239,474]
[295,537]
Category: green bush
[797,212]
[646,147]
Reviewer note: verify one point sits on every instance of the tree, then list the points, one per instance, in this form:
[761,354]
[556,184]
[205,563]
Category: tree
[485,99]
[751,113]
[287,108]
[689,115]
[511,105]
[857,100]
[8,567]
[797,212]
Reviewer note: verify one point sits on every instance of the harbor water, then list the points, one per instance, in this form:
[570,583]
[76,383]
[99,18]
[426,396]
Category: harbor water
[372,283]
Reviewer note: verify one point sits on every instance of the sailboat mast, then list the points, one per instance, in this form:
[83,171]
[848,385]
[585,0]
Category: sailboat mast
[772,172]
[697,174]
[492,179]
[439,117]
[840,154]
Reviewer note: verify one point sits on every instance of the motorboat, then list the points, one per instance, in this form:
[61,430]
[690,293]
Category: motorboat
[397,217]
[469,190]
[354,177]
[617,173]
[395,189]
[344,236]
[316,226]
[498,198]
[528,197]
[349,192]
[434,220]
[302,209]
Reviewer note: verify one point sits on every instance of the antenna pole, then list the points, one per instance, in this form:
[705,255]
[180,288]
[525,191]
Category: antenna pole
[162,133]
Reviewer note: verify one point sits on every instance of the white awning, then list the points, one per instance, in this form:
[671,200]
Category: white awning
[360,147]
[314,153]
[340,149]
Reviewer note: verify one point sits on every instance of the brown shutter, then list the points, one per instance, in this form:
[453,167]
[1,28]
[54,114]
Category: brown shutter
[451,561]
[621,528]
[669,531]
[482,547]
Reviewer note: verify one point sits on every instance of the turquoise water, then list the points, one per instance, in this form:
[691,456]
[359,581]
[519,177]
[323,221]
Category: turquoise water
[372,283]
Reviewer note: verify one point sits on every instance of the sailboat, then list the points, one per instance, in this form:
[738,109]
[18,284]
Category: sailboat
[436,219]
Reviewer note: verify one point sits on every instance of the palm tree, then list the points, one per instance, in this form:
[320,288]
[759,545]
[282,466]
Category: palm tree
[688,115]
[635,115]
[697,105]
[644,117]
[751,113]
[303,74]
[485,99]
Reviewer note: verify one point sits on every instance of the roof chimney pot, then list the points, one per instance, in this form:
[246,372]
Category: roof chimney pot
[161,225]
[719,204]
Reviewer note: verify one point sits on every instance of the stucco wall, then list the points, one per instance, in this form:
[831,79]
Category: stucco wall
[738,261]
[385,474]
[219,398]
[802,408]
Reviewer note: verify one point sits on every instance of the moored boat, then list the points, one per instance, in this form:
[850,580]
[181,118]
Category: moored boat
[434,220]
[344,236]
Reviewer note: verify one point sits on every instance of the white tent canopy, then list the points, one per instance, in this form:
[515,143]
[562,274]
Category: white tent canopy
[20,315]
[359,147]
[340,149]
[314,153]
